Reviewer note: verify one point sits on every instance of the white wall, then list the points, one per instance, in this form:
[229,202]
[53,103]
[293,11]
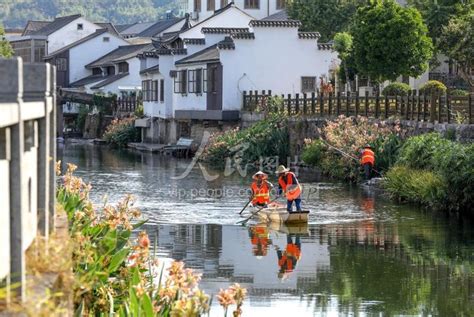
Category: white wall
[133,79]
[276,59]
[89,51]
[191,101]
[70,34]
[267,7]
[230,18]
[5,217]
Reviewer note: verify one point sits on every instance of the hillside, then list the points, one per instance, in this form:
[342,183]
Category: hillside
[15,13]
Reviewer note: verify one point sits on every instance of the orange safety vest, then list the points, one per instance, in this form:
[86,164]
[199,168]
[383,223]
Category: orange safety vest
[368,156]
[293,250]
[293,192]
[261,195]
[285,260]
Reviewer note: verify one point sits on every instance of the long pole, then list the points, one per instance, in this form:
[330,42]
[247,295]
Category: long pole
[243,222]
[245,206]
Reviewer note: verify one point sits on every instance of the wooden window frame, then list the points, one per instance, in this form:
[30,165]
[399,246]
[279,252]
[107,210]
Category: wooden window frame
[211,5]
[192,81]
[252,4]
[61,64]
[280,4]
[162,90]
[224,3]
[211,80]
[154,90]
[304,84]
[121,67]
[197,5]
[181,81]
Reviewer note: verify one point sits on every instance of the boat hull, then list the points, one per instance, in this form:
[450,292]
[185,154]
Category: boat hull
[281,215]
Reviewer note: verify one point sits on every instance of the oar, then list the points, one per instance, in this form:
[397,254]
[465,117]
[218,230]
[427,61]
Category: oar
[245,206]
[253,214]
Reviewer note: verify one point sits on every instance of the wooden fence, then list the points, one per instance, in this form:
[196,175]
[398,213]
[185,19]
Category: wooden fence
[27,162]
[414,106]
[126,104]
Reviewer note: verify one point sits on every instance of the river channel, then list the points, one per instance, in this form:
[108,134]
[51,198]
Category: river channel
[359,255]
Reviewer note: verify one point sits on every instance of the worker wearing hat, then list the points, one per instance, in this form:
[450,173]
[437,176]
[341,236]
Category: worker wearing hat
[260,189]
[289,185]
[367,160]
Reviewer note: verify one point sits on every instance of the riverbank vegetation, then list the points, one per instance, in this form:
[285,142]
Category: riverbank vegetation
[427,169]
[122,131]
[267,138]
[114,270]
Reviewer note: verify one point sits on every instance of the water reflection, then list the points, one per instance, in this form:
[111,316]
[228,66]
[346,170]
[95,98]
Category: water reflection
[360,254]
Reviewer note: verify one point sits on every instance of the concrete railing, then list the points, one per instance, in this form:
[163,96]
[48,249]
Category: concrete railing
[27,162]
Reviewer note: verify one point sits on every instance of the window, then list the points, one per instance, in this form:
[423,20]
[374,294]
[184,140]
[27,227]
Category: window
[96,71]
[308,84]
[61,64]
[197,5]
[146,90]
[111,70]
[211,5]
[252,4]
[281,4]
[224,3]
[195,81]
[211,80]
[162,90]
[106,39]
[180,82]
[154,90]
[80,26]
[123,67]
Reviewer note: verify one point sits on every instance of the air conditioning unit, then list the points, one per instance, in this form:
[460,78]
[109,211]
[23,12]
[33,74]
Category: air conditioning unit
[173,73]
[194,15]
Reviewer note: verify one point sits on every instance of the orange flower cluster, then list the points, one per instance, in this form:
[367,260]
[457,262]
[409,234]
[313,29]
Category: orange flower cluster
[233,295]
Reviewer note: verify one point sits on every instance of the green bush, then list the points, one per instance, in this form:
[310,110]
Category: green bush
[418,151]
[417,186]
[459,93]
[81,117]
[120,132]
[139,111]
[313,153]
[396,89]
[267,139]
[433,87]
[386,150]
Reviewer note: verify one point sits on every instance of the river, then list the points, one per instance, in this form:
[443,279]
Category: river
[360,254]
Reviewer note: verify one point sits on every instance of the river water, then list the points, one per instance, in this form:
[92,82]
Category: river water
[359,255]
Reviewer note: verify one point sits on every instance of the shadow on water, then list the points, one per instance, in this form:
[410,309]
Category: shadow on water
[360,254]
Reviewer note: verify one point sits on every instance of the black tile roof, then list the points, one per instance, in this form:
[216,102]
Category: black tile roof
[243,35]
[195,41]
[275,23]
[170,51]
[325,46]
[87,80]
[208,55]
[109,26]
[122,27]
[226,44]
[151,70]
[159,27]
[279,16]
[309,35]
[109,79]
[217,30]
[33,26]
[119,54]
[55,25]
[74,44]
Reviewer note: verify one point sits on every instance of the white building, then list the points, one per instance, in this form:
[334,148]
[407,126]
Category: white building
[117,72]
[70,59]
[259,9]
[200,74]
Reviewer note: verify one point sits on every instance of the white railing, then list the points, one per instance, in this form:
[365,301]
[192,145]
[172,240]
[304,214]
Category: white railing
[27,159]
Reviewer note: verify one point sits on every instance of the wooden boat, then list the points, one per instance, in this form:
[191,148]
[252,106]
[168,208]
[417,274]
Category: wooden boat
[279,214]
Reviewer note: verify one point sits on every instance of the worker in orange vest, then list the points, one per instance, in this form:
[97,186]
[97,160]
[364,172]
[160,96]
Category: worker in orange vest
[287,259]
[367,160]
[260,189]
[289,185]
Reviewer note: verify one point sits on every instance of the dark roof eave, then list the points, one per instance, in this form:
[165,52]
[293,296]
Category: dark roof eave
[204,61]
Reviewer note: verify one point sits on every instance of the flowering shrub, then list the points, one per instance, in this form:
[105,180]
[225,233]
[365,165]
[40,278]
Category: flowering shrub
[433,87]
[342,140]
[115,274]
[266,138]
[396,89]
[122,131]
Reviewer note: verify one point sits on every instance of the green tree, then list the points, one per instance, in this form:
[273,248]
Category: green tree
[6,49]
[438,13]
[390,41]
[457,41]
[343,46]
[324,16]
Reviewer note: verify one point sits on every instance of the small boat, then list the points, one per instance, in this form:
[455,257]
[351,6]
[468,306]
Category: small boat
[279,214]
